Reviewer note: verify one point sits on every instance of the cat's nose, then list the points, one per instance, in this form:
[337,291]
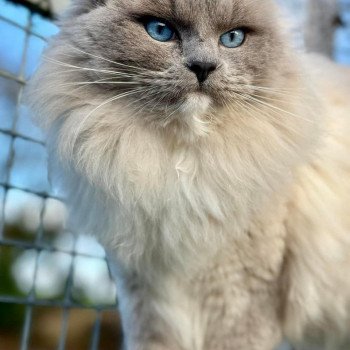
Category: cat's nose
[202,69]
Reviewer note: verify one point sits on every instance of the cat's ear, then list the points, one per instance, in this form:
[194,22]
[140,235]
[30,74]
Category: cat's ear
[80,7]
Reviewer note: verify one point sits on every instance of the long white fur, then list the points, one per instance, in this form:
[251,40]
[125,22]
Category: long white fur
[174,203]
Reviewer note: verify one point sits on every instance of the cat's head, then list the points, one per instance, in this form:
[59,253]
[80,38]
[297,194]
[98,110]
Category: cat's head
[169,58]
[128,82]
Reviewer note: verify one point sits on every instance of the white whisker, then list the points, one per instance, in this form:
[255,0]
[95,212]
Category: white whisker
[110,61]
[276,108]
[64,64]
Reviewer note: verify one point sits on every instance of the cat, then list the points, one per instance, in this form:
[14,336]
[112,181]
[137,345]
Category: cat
[212,161]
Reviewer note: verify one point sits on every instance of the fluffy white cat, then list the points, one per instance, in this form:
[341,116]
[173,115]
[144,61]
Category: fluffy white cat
[212,161]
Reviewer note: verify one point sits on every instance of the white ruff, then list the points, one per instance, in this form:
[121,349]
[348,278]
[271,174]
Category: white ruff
[193,109]
[195,105]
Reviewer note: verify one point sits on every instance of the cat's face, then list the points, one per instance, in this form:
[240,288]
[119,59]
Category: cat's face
[174,53]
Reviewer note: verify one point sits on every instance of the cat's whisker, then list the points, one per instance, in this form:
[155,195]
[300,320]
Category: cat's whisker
[260,83]
[77,131]
[144,93]
[159,100]
[266,88]
[53,74]
[111,61]
[274,108]
[101,71]
[251,108]
[97,82]
[86,83]
[112,73]
[64,64]
[269,105]
[117,97]
[142,108]
[273,99]
[152,93]
[168,117]
[276,91]
[138,71]
[284,95]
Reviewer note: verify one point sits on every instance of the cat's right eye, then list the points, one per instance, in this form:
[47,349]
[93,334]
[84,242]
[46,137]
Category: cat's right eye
[159,30]
[232,39]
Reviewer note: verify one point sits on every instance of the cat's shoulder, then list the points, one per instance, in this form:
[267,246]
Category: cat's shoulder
[330,79]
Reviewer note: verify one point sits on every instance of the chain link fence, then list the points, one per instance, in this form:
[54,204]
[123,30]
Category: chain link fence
[56,291]
[55,288]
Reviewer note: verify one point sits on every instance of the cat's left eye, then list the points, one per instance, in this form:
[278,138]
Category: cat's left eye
[159,30]
[233,38]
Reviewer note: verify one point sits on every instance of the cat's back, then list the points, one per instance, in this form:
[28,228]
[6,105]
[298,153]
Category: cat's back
[318,224]
[331,82]
[325,178]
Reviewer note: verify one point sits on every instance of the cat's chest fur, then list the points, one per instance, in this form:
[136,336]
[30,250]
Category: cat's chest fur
[205,181]
[184,201]
[234,293]
[185,188]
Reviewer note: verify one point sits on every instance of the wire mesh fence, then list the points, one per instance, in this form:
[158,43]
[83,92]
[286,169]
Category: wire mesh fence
[51,280]
[55,288]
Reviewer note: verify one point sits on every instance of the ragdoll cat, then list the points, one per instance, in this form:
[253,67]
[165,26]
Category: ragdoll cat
[212,161]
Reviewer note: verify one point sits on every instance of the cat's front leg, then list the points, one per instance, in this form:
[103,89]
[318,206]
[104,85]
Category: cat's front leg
[147,316]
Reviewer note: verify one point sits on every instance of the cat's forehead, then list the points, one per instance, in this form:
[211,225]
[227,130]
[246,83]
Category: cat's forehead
[203,12]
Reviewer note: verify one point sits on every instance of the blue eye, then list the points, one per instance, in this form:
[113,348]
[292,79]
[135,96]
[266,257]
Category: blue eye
[233,38]
[159,30]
